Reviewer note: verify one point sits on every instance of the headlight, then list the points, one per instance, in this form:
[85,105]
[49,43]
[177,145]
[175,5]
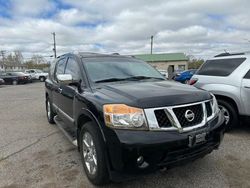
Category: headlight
[124,117]
[215,105]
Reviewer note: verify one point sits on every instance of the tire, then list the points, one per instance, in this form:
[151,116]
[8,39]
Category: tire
[42,79]
[186,81]
[14,82]
[229,112]
[49,112]
[99,176]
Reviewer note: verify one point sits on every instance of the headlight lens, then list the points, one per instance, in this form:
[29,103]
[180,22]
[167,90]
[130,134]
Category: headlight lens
[215,104]
[124,117]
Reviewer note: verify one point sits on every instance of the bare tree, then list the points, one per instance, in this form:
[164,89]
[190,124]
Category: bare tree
[37,59]
[18,57]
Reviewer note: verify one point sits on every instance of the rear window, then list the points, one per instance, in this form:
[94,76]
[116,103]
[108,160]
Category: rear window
[220,67]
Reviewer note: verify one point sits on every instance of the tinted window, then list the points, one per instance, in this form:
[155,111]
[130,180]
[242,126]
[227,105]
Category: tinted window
[73,69]
[60,66]
[220,67]
[247,76]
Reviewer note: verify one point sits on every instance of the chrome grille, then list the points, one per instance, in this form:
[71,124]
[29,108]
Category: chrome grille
[197,111]
[209,109]
[173,117]
[162,118]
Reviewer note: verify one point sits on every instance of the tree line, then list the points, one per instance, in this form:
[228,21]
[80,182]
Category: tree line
[16,59]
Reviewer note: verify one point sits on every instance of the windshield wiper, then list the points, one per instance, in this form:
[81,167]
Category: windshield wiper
[110,80]
[127,79]
[143,78]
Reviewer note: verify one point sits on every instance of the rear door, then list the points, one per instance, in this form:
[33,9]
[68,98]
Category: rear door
[9,78]
[245,93]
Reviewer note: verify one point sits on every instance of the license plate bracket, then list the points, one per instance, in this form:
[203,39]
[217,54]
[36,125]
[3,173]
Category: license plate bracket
[197,139]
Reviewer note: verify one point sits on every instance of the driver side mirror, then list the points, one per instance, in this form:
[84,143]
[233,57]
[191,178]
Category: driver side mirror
[65,78]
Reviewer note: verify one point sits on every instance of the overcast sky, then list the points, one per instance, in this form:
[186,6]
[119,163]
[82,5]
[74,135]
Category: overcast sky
[198,27]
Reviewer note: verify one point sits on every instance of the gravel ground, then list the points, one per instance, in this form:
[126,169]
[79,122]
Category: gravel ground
[34,153]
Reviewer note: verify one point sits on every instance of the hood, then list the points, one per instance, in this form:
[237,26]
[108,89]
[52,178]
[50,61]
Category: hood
[152,94]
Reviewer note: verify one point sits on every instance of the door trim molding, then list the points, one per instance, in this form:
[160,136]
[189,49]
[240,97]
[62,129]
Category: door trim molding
[63,113]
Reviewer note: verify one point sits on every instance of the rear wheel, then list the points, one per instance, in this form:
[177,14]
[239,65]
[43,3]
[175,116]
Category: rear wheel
[93,154]
[230,113]
[49,111]
[14,82]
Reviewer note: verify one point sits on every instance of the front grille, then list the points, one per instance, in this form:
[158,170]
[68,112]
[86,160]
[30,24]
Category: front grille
[198,115]
[209,109]
[162,118]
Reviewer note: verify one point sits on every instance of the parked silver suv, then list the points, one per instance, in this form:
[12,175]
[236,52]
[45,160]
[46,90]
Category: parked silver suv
[227,76]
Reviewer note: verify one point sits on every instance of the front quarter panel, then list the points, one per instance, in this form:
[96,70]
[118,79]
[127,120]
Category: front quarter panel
[229,91]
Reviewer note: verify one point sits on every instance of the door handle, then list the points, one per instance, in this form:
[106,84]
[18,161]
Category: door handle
[60,90]
[247,87]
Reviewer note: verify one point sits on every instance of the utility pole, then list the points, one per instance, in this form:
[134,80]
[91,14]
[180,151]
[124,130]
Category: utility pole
[152,38]
[54,38]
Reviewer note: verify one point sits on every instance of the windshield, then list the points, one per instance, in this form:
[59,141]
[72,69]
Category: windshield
[119,69]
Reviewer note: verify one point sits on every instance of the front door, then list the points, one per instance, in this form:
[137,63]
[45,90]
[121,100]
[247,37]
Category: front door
[57,87]
[68,92]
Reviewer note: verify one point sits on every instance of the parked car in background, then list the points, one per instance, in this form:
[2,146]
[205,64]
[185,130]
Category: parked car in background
[15,78]
[37,74]
[1,81]
[126,118]
[227,76]
[184,76]
[175,73]
[164,73]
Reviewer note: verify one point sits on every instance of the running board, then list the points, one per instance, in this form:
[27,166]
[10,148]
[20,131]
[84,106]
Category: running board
[66,131]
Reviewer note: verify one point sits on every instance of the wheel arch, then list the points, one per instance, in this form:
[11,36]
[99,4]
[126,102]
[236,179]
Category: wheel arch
[229,99]
[227,92]
[87,116]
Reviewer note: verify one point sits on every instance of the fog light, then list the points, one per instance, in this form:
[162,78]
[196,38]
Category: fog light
[141,163]
[140,160]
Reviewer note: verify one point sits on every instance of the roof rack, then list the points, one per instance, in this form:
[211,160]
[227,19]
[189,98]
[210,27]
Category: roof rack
[229,54]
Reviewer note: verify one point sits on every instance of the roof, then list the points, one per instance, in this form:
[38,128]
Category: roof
[162,57]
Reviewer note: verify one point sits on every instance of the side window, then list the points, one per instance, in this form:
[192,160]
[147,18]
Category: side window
[220,67]
[60,67]
[31,71]
[247,76]
[73,69]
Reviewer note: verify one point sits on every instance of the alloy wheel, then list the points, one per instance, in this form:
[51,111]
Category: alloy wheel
[225,113]
[48,109]
[89,153]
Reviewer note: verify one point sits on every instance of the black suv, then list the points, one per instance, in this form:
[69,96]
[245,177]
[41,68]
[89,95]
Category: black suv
[126,118]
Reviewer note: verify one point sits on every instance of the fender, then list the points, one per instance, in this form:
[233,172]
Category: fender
[88,113]
[229,91]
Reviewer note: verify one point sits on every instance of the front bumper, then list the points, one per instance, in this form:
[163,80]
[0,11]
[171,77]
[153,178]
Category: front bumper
[159,149]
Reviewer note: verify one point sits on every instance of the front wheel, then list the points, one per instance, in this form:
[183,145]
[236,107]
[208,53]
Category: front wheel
[42,79]
[230,113]
[93,154]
